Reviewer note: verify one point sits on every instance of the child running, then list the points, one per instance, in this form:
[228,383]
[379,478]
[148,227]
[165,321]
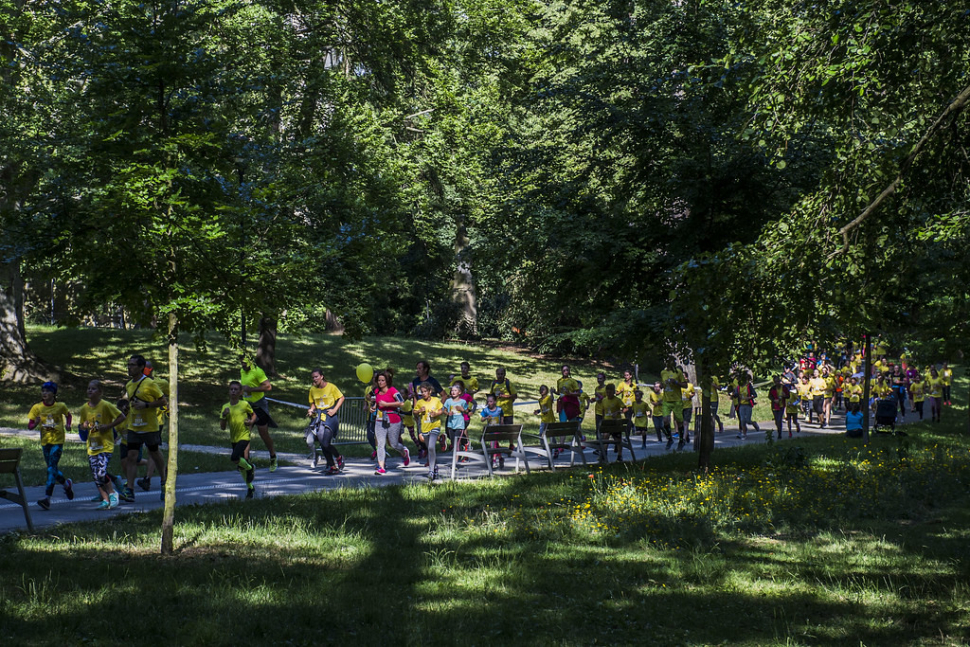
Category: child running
[641,411]
[545,411]
[98,426]
[430,408]
[53,418]
[492,415]
[457,408]
[238,416]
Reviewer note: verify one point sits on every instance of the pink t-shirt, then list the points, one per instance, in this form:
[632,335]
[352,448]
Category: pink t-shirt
[391,395]
[471,401]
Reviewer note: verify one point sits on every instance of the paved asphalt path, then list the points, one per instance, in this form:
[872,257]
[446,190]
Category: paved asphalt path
[215,487]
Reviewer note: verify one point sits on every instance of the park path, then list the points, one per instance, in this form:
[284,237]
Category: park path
[216,487]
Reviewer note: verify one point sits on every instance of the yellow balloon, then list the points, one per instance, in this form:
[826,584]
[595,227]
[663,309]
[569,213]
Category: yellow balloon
[365,372]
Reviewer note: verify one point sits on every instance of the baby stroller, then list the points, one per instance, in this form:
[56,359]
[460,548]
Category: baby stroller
[886,416]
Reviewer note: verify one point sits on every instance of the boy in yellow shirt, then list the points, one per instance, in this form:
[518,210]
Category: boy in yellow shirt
[657,411]
[53,418]
[99,421]
[238,416]
[641,411]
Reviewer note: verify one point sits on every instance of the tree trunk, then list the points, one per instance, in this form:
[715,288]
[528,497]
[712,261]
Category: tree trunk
[332,324]
[168,517]
[705,437]
[17,363]
[463,286]
[266,351]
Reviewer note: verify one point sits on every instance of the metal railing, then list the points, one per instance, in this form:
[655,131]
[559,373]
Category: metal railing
[353,419]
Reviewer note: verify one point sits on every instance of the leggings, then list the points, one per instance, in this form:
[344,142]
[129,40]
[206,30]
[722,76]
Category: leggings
[779,419]
[390,435]
[431,438]
[325,432]
[946,394]
[99,468]
[919,408]
[900,393]
[52,456]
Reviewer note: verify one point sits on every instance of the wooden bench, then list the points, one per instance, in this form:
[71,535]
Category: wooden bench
[10,464]
[612,433]
[501,434]
[559,436]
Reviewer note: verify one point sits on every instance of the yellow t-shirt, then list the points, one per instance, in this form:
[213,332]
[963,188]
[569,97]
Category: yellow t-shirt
[612,408]
[625,392]
[546,411]
[567,385]
[852,391]
[672,392]
[143,420]
[51,421]
[934,387]
[506,399]
[917,389]
[103,413]
[471,383]
[793,403]
[641,411]
[688,396]
[715,390]
[804,390]
[407,419]
[600,392]
[830,384]
[656,402]
[324,398]
[239,413]
[818,387]
[428,422]
[253,378]
[947,376]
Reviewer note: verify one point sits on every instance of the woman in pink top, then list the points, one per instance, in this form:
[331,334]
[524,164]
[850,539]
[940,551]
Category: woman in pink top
[387,404]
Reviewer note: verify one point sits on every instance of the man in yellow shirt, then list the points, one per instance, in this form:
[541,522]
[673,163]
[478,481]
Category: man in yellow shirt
[674,382]
[144,398]
[255,387]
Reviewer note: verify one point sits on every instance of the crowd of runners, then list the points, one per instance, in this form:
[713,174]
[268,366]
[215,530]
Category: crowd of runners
[437,418]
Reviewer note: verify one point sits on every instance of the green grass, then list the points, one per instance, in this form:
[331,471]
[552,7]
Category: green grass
[519,560]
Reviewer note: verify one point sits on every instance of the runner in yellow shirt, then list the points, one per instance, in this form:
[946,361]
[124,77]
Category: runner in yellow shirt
[656,397]
[97,426]
[674,381]
[947,376]
[917,390]
[53,418]
[641,412]
[238,417]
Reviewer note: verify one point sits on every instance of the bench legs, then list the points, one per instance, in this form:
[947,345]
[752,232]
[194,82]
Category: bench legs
[20,499]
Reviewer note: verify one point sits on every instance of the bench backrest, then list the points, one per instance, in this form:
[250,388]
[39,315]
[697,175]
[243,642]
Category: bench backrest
[499,433]
[561,429]
[10,460]
[613,426]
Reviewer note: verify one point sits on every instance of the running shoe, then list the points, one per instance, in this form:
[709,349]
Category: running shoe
[69,489]
[333,470]
[273,464]
[789,434]
[45,503]
[373,455]
[380,471]
[340,462]
[680,445]
[670,442]
[145,483]
[250,491]
[112,501]
[407,457]
[104,505]
[127,495]
[314,459]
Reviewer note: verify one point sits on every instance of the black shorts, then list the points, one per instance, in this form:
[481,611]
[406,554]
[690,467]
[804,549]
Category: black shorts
[150,439]
[261,409]
[239,450]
